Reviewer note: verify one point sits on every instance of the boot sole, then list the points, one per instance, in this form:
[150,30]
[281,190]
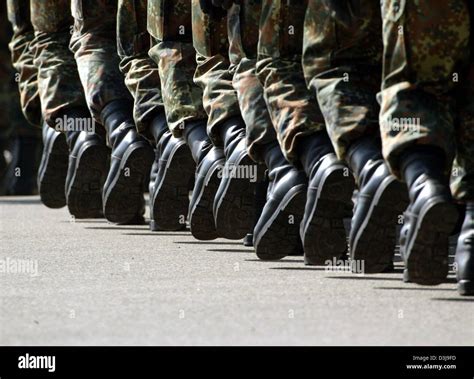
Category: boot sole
[84,196]
[235,213]
[325,236]
[281,237]
[171,203]
[52,174]
[466,288]
[124,200]
[376,239]
[201,218]
[427,254]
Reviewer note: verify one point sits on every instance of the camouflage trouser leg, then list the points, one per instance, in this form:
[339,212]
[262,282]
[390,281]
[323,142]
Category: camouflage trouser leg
[8,92]
[94,43]
[293,108]
[342,64]
[141,72]
[462,183]
[425,43]
[211,42]
[22,59]
[462,179]
[169,23]
[58,81]
[243,28]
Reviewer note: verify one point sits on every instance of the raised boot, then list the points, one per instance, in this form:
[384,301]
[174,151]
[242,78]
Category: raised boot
[88,166]
[174,179]
[234,204]
[328,201]
[209,160]
[130,164]
[465,254]
[429,219]
[276,234]
[53,168]
[379,201]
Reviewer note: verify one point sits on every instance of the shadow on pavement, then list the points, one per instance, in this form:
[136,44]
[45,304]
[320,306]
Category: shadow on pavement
[299,268]
[15,200]
[457,300]
[231,250]
[157,234]
[209,243]
[415,289]
[144,228]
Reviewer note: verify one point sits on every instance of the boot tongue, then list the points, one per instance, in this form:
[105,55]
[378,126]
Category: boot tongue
[420,160]
[158,127]
[71,137]
[312,148]
[363,152]
[231,133]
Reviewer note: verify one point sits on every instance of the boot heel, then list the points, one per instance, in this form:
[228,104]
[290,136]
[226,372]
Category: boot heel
[427,257]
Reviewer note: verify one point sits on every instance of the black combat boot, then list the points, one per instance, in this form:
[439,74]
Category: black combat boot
[465,254]
[130,164]
[259,201]
[379,201]
[328,201]
[29,153]
[276,234]
[53,168]
[210,161]
[174,179]
[430,217]
[234,204]
[88,166]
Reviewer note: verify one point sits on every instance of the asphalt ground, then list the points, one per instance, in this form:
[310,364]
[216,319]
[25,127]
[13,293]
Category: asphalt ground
[71,282]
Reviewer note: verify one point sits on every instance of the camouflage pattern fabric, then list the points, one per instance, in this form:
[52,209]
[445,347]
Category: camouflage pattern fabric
[58,81]
[342,64]
[141,72]
[430,94]
[243,29]
[94,43]
[293,108]
[169,23]
[210,39]
[22,59]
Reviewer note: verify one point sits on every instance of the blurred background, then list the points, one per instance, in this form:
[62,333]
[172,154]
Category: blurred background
[20,142]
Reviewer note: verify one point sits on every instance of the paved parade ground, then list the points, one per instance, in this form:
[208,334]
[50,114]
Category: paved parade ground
[91,283]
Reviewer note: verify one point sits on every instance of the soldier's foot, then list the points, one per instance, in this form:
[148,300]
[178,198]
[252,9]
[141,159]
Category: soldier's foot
[170,197]
[234,204]
[276,234]
[53,168]
[328,201]
[465,254]
[131,160]
[210,161]
[87,171]
[379,202]
[429,219]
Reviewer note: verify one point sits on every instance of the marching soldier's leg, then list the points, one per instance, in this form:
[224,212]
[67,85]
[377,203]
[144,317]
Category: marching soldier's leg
[234,203]
[169,23]
[53,166]
[94,43]
[14,130]
[435,36]
[462,183]
[64,107]
[281,237]
[301,131]
[343,63]
[174,167]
